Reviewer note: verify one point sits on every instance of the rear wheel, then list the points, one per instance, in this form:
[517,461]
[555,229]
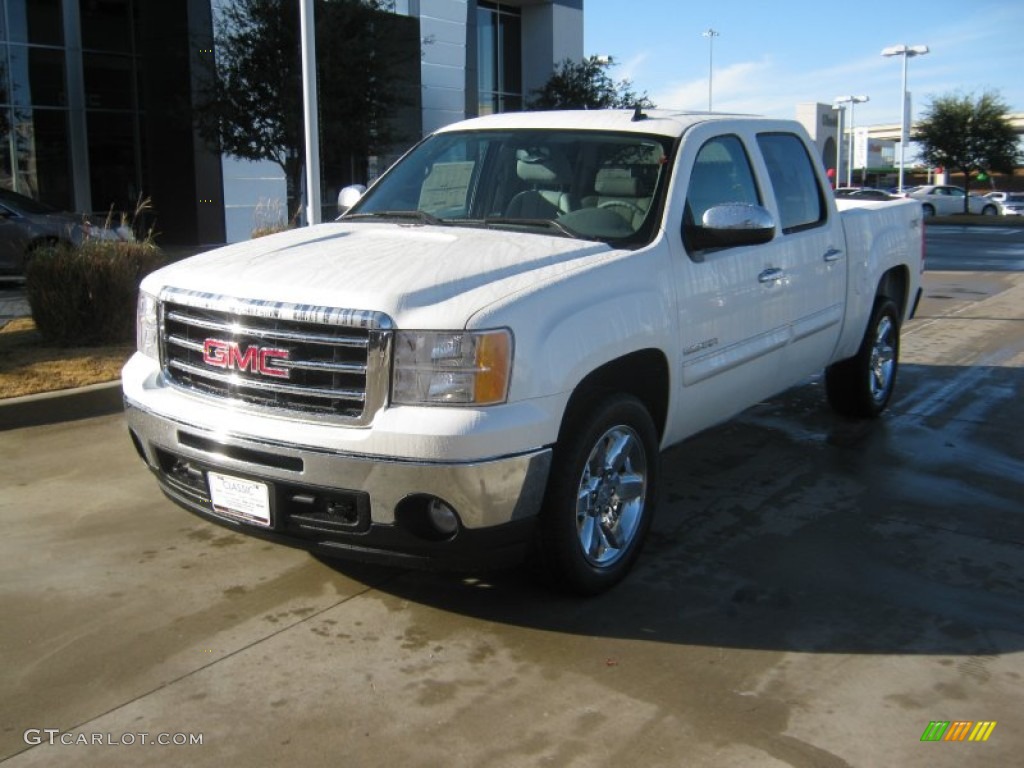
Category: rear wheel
[600,497]
[862,386]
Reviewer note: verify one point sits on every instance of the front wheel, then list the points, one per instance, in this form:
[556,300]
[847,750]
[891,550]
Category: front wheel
[862,386]
[989,210]
[600,497]
[928,210]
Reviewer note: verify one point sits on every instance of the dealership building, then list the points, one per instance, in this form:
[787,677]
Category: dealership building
[96,99]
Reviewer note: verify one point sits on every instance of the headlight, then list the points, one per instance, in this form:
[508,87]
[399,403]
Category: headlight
[452,368]
[146,338]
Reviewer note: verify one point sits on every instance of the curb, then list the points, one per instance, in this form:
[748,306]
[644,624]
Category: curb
[61,405]
[975,220]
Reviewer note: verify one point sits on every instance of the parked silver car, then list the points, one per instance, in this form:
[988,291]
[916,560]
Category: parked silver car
[945,200]
[864,193]
[27,224]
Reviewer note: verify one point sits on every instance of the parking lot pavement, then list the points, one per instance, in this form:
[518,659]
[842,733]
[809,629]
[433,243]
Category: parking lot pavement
[815,593]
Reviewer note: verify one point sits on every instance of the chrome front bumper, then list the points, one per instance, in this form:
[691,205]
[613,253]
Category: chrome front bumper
[496,499]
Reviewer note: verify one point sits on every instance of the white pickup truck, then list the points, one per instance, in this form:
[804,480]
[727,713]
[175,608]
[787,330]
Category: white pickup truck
[482,358]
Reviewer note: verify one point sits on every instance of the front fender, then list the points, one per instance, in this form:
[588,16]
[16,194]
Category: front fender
[569,327]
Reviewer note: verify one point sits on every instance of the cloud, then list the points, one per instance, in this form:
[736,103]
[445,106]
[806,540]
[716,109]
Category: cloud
[733,85]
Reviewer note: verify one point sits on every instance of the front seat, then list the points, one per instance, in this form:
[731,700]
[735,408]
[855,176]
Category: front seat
[549,176]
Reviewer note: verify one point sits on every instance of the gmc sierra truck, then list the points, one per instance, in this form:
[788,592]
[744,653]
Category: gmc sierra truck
[481,359]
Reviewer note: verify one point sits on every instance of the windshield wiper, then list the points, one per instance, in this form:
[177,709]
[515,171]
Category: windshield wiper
[543,223]
[420,216]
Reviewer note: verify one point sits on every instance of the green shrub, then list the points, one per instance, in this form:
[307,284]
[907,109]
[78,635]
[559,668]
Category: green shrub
[86,296]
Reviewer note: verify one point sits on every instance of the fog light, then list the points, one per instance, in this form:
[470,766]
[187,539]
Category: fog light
[442,517]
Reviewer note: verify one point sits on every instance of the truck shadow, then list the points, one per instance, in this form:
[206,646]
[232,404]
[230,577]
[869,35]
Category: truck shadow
[790,529]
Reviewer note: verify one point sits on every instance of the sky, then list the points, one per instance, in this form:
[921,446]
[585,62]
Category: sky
[771,55]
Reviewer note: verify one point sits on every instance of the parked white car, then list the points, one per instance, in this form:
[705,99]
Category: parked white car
[1010,203]
[944,200]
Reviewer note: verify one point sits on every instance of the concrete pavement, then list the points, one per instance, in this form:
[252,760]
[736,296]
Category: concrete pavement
[815,593]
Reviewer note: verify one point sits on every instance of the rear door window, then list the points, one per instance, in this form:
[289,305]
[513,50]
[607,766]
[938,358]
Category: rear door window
[798,194]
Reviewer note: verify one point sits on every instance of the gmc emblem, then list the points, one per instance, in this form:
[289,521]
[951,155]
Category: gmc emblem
[255,359]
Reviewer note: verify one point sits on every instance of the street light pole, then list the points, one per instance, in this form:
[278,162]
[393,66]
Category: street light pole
[710,34]
[839,109]
[851,100]
[310,111]
[907,52]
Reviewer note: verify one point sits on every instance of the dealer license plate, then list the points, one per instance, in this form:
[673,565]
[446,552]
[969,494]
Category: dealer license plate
[241,499]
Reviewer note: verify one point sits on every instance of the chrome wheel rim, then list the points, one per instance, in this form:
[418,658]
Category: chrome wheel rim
[883,359]
[611,497]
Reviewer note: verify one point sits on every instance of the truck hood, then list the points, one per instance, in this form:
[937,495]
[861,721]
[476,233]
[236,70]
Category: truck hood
[421,276]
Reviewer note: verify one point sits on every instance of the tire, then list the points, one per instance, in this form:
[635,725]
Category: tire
[928,210]
[600,497]
[862,386]
[989,210]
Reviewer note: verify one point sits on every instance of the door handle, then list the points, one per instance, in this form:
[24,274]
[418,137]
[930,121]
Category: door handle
[832,254]
[772,275]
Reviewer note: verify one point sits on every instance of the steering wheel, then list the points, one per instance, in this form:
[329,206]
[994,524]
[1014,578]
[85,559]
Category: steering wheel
[633,210]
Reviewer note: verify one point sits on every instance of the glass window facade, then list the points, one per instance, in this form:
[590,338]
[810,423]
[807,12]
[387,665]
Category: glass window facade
[499,58]
[51,127]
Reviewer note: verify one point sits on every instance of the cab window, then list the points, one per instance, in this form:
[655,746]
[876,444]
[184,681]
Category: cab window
[798,194]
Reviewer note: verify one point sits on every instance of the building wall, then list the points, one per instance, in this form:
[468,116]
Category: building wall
[552,33]
[445,27]
[552,30]
[95,104]
[821,123]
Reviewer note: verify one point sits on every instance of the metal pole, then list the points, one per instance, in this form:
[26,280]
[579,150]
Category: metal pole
[903,119]
[710,34]
[849,162]
[906,51]
[310,111]
[839,146]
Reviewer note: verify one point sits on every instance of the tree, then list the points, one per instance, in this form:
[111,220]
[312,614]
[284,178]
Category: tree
[968,135]
[251,106]
[587,85]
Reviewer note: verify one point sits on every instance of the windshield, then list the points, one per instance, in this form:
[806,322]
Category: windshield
[24,204]
[588,184]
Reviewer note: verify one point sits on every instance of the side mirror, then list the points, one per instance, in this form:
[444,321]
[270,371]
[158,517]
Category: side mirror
[730,225]
[349,196]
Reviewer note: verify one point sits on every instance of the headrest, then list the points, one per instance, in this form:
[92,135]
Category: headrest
[616,182]
[542,167]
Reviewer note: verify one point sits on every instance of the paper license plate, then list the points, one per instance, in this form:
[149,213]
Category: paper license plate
[241,499]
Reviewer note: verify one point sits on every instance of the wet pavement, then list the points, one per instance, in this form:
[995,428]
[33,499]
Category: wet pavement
[815,593]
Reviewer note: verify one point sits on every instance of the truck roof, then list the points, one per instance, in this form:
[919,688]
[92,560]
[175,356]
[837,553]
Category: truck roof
[654,121]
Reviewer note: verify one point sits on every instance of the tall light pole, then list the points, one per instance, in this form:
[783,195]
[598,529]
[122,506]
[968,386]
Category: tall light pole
[310,111]
[839,109]
[907,52]
[710,34]
[851,100]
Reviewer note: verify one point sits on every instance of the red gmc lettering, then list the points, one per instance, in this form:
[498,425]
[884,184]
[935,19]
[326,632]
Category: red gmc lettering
[228,355]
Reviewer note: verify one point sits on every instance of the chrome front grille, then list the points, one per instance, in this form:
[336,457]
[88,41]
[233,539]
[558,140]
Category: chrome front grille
[308,360]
